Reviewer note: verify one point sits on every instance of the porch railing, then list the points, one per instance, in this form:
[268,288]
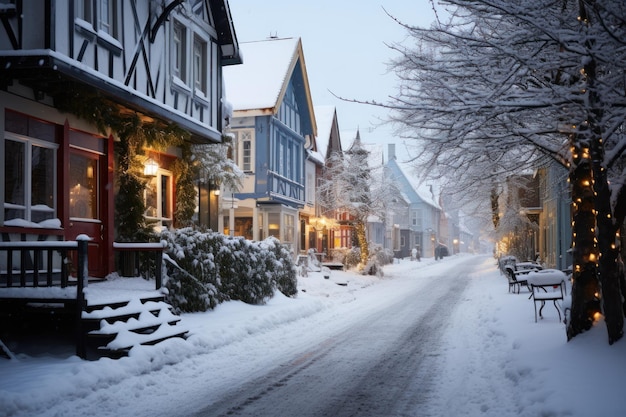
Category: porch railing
[133,264]
[37,260]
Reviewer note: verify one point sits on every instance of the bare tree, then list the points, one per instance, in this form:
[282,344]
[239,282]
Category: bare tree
[505,85]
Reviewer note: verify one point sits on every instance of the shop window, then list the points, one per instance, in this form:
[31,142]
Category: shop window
[273,227]
[289,223]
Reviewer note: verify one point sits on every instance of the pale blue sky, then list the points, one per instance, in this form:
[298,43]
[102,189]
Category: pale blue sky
[344,48]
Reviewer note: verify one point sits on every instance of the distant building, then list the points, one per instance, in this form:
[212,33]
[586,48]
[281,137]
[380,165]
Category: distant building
[416,213]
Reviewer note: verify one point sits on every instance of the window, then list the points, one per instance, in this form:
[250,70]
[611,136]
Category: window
[246,150]
[84,10]
[178,50]
[416,217]
[199,65]
[107,12]
[242,150]
[158,199]
[83,186]
[281,156]
[289,113]
[273,226]
[29,179]
[289,223]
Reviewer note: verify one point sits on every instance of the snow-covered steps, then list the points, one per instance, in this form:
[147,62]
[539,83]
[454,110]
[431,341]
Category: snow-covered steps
[113,329]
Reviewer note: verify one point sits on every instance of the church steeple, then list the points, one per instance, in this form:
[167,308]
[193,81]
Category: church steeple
[357,145]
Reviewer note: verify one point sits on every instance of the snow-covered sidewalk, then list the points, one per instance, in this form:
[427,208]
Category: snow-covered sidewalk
[496,361]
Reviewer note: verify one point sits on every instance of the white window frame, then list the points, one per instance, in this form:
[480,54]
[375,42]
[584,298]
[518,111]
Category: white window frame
[163,220]
[27,208]
[106,16]
[245,150]
[200,72]
[179,51]
[289,228]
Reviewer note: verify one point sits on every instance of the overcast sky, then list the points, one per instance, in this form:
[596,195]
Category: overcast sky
[345,50]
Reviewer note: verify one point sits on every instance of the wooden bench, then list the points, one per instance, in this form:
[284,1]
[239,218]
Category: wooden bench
[547,285]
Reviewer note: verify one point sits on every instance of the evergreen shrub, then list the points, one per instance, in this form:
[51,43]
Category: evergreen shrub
[204,268]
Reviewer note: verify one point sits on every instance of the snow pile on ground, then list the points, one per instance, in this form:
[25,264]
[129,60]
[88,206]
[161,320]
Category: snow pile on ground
[496,361]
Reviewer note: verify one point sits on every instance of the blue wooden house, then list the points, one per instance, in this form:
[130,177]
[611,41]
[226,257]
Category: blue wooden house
[273,130]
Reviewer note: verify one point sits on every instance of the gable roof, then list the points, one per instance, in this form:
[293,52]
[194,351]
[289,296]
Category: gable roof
[324,116]
[422,191]
[257,87]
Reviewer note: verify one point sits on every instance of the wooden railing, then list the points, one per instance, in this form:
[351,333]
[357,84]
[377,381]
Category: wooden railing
[32,267]
[134,249]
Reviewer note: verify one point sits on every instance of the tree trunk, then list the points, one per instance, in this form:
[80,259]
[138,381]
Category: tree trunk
[609,262]
[359,228]
[607,244]
[495,208]
[585,287]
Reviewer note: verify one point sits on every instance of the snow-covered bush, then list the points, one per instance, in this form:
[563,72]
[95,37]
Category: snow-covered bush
[243,272]
[192,276]
[206,268]
[373,268]
[353,258]
[383,256]
[281,264]
[379,257]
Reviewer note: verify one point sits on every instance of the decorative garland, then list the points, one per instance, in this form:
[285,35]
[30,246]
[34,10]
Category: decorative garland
[135,136]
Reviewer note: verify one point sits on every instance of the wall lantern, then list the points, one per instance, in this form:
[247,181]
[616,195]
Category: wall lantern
[150,168]
[216,192]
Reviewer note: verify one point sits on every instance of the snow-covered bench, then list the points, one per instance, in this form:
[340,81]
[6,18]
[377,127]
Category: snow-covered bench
[516,274]
[547,285]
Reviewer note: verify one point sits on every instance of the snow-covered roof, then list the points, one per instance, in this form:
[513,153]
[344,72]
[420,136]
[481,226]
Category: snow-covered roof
[324,116]
[316,156]
[259,82]
[463,227]
[422,190]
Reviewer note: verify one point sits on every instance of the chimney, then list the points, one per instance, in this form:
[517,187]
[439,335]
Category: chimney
[391,150]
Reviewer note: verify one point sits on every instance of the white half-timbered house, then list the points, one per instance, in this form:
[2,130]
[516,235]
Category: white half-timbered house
[158,60]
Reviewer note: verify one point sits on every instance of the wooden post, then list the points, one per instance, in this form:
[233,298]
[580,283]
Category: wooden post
[81,276]
[158,265]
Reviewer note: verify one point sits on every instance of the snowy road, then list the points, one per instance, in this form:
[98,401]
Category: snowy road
[379,363]
[423,341]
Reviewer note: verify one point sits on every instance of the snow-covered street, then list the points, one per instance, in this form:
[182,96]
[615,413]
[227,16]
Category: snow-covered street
[491,359]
